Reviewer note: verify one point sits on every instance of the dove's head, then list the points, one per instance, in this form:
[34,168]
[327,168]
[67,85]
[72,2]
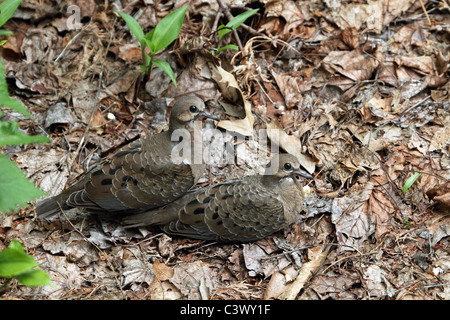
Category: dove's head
[186,110]
[288,167]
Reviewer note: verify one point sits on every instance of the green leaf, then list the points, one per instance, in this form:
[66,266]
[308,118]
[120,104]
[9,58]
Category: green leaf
[14,261]
[7,9]
[409,182]
[34,277]
[13,104]
[5,33]
[223,30]
[148,36]
[5,100]
[134,26]
[15,188]
[16,245]
[228,46]
[10,135]
[167,30]
[234,23]
[167,69]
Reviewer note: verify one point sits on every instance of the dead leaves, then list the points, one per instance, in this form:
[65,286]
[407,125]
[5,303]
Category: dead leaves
[361,110]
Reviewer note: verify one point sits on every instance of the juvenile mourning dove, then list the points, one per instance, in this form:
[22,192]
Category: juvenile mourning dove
[239,210]
[140,177]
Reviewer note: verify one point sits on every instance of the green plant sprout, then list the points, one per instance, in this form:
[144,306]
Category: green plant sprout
[233,24]
[15,263]
[15,188]
[157,39]
[7,9]
[410,181]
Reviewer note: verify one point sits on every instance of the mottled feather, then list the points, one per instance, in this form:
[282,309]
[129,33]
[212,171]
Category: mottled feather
[239,210]
[141,176]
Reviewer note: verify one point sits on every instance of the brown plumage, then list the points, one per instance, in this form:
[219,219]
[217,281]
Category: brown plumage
[239,210]
[140,177]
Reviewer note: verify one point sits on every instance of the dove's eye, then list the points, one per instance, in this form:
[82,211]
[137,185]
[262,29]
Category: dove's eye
[288,166]
[193,109]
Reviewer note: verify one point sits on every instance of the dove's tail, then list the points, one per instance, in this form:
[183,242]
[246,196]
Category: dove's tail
[49,207]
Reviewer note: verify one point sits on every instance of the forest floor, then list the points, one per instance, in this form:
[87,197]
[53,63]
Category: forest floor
[359,91]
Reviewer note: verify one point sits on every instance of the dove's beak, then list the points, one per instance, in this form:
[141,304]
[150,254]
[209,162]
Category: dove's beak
[302,173]
[205,114]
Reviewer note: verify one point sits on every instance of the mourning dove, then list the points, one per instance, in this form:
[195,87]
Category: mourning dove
[239,210]
[141,176]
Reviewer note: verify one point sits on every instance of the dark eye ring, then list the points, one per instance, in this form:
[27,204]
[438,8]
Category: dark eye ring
[288,166]
[193,109]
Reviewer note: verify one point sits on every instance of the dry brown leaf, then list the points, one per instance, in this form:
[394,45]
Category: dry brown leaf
[350,37]
[440,140]
[196,280]
[441,195]
[256,261]
[306,272]
[377,138]
[348,69]
[377,109]
[351,15]
[338,285]
[164,291]
[381,209]
[130,52]
[231,91]
[352,218]
[290,143]
[162,272]
[279,282]
[289,88]
[423,64]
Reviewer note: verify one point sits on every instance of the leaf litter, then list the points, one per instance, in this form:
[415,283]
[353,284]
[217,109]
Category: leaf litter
[358,92]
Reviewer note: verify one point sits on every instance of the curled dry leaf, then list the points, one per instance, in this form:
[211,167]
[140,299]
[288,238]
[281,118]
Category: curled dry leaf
[257,261]
[232,92]
[290,143]
[279,282]
[289,89]
[319,254]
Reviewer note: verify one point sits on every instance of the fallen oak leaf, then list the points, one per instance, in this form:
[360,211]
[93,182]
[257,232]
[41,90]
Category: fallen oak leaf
[231,91]
[290,143]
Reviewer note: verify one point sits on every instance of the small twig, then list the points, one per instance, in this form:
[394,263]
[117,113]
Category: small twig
[100,77]
[69,43]
[308,270]
[416,104]
[425,11]
[216,21]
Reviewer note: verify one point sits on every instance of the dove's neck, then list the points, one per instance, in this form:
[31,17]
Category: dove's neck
[289,190]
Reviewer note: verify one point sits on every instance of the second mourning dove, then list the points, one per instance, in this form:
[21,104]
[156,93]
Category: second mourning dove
[140,177]
[239,210]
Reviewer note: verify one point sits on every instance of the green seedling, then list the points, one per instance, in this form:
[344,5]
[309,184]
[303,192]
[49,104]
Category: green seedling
[410,181]
[233,24]
[157,39]
[7,9]
[15,189]
[15,263]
